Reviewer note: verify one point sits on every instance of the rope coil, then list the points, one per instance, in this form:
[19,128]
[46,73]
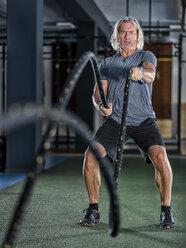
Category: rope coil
[53,115]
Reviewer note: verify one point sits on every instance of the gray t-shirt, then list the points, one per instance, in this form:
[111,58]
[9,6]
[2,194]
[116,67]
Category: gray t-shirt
[114,69]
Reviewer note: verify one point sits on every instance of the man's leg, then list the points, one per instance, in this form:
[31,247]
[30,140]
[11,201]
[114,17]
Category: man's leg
[92,179]
[163,174]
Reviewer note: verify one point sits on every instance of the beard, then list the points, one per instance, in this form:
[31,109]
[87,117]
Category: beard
[133,46]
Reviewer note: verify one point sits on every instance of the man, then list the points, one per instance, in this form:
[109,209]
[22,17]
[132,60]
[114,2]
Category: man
[127,39]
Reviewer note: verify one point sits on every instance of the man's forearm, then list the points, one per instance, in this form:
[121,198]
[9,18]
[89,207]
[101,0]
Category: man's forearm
[145,73]
[96,101]
[96,98]
[148,76]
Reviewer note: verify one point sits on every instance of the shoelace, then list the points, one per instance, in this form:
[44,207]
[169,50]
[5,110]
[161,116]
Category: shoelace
[88,211]
[168,215]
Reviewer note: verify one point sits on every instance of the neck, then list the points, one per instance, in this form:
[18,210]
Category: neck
[126,53]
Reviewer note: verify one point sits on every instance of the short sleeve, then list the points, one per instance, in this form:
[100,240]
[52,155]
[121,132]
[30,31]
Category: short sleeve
[149,57]
[103,70]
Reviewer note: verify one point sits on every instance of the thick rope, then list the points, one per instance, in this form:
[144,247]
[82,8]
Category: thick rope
[74,77]
[122,136]
[121,141]
[44,146]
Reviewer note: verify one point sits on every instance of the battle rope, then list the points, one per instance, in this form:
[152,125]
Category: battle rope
[122,138]
[44,146]
[75,74]
[81,128]
[122,135]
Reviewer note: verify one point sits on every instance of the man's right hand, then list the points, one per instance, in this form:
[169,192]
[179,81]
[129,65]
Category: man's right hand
[105,111]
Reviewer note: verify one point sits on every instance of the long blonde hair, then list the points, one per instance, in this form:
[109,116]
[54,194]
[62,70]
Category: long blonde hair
[114,38]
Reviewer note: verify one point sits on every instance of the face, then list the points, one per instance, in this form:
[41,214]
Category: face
[127,36]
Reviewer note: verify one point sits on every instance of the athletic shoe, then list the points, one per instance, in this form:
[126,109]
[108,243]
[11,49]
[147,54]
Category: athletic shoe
[167,220]
[91,217]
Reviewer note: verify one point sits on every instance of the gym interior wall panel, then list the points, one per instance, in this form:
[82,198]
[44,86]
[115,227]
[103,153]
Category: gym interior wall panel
[84,91]
[24,76]
[184,71]
[183,93]
[1,78]
[162,87]
[174,96]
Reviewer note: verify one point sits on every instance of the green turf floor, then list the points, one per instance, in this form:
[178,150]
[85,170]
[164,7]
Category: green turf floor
[52,216]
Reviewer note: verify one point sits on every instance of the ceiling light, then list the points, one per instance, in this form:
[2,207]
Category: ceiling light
[65,25]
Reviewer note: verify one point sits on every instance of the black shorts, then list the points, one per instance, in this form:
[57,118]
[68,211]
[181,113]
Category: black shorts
[144,135]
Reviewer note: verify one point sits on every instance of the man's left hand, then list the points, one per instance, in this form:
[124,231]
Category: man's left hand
[137,74]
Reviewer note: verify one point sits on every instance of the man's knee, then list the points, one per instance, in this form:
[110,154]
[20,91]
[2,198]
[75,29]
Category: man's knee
[159,156]
[90,161]
[89,156]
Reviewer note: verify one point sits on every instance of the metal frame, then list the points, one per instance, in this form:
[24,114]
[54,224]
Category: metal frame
[180,62]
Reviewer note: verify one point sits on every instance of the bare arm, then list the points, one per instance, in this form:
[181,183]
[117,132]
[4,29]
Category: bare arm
[149,73]
[96,98]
